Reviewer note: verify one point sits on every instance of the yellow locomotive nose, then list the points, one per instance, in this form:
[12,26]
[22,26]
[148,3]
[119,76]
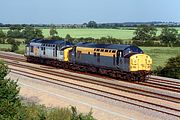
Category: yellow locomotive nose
[140,62]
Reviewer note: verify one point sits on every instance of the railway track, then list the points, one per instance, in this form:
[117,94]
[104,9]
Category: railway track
[105,84]
[108,94]
[155,80]
[152,82]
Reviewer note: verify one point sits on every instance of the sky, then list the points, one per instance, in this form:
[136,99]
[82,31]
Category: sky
[81,11]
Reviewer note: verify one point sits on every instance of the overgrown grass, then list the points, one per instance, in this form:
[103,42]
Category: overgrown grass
[34,111]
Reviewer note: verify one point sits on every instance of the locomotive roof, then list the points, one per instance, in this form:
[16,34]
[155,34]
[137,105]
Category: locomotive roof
[50,41]
[106,46]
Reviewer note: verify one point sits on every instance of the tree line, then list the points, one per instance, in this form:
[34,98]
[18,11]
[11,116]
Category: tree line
[94,24]
[144,35]
[147,36]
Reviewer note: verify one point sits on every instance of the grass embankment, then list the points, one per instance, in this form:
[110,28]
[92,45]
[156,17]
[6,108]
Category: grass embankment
[7,47]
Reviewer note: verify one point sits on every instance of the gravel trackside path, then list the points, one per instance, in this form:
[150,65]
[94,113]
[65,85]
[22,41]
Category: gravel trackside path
[53,95]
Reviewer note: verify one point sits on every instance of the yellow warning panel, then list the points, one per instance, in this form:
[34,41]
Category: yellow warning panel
[140,62]
[36,51]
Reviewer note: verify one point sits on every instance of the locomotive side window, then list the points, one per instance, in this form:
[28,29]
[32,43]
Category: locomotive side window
[94,54]
[32,48]
[44,52]
[118,55]
[113,59]
[113,51]
[78,54]
[98,57]
[102,50]
[54,52]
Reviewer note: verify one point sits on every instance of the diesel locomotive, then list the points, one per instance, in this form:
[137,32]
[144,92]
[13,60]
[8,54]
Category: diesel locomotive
[125,62]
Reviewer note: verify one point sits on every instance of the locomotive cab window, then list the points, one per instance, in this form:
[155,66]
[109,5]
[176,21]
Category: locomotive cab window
[132,50]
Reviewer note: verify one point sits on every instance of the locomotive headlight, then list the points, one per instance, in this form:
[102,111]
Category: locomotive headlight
[149,61]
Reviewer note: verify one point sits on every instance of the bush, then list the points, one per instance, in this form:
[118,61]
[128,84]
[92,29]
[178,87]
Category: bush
[171,69]
[9,99]
[3,70]
[32,111]
[76,116]
[59,114]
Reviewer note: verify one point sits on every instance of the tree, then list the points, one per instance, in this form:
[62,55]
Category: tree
[53,31]
[9,99]
[169,36]
[92,24]
[30,33]
[14,44]
[38,33]
[14,33]
[69,38]
[171,69]
[2,36]
[16,27]
[144,32]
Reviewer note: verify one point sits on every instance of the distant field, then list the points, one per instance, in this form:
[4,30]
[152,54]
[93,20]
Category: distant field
[160,55]
[94,33]
[121,33]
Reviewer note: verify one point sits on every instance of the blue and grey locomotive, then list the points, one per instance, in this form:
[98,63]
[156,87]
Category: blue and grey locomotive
[119,61]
